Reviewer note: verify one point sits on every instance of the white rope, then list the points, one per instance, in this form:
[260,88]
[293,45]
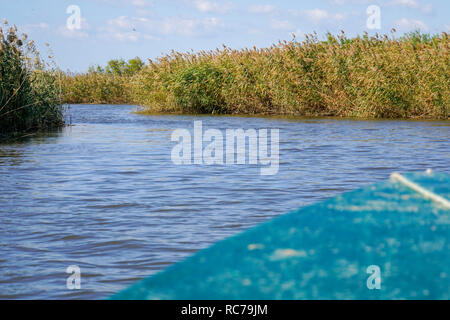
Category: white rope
[426,193]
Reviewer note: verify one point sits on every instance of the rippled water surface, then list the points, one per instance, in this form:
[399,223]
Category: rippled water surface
[104,194]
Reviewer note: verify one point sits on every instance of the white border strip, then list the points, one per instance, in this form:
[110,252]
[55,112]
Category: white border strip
[426,193]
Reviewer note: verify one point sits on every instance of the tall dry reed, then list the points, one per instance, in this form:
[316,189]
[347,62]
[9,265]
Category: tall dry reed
[29,91]
[371,77]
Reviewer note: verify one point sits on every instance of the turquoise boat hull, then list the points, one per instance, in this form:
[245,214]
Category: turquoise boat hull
[329,250]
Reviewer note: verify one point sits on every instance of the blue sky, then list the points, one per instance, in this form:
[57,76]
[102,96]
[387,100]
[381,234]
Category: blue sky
[149,28]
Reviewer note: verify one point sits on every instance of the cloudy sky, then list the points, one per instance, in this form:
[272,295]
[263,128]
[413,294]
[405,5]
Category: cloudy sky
[149,28]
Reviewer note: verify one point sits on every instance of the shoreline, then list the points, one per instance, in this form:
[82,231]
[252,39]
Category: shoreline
[259,115]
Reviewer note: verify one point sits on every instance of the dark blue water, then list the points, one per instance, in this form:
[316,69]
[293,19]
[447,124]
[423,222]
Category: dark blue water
[104,194]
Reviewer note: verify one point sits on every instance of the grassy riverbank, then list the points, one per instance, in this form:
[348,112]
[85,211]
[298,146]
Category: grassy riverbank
[29,90]
[370,77]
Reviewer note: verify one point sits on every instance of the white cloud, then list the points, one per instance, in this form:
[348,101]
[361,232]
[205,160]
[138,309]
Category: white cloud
[339,16]
[406,3]
[126,28]
[413,4]
[211,6]
[32,27]
[72,34]
[262,8]
[124,22]
[342,2]
[319,15]
[126,36]
[189,27]
[281,24]
[75,33]
[427,8]
[405,24]
[139,3]
[142,12]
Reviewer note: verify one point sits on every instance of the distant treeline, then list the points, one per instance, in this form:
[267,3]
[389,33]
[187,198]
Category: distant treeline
[372,77]
[30,98]
[111,84]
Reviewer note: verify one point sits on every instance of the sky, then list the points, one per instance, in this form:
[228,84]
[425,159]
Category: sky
[111,29]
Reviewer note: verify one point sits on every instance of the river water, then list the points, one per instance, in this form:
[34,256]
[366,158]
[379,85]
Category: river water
[104,195]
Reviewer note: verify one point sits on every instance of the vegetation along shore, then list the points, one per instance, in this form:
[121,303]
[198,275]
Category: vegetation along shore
[370,77]
[366,77]
[30,89]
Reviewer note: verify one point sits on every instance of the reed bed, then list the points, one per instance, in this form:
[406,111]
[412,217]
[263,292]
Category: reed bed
[368,77]
[95,87]
[30,98]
